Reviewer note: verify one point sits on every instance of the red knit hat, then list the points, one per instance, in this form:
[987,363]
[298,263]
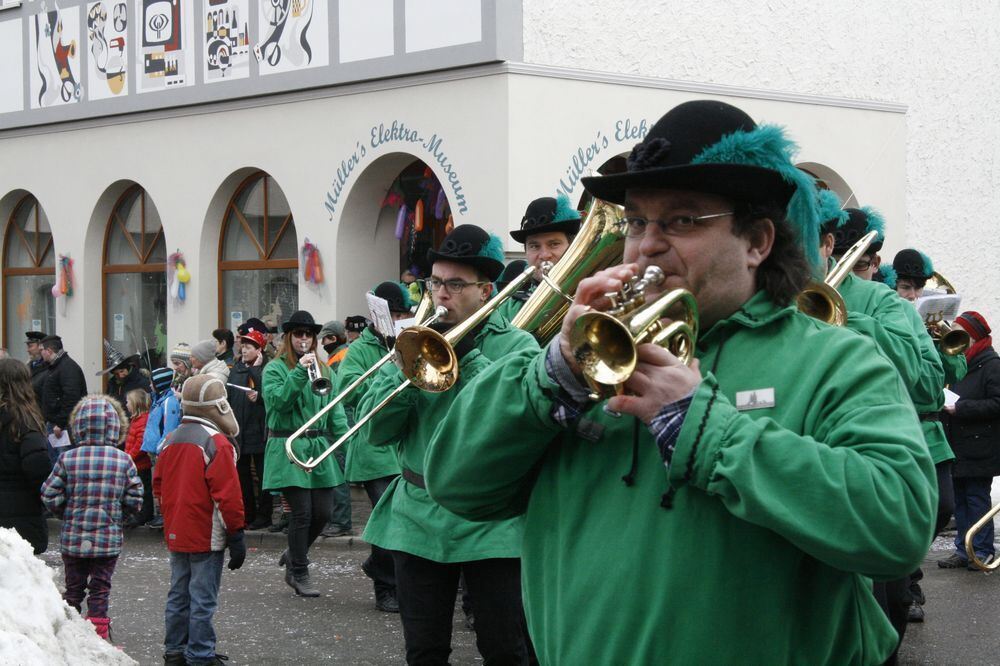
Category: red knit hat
[974,323]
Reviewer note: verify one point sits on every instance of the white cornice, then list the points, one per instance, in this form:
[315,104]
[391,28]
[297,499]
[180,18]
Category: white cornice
[458,74]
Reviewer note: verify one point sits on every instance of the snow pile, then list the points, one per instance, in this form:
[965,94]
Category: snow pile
[36,625]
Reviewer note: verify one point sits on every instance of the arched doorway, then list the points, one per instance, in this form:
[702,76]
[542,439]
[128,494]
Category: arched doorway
[135,279]
[421,214]
[28,275]
[258,255]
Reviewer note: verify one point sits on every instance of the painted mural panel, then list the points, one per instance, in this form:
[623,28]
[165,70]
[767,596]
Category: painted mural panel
[53,57]
[107,25]
[294,34]
[11,67]
[227,40]
[164,47]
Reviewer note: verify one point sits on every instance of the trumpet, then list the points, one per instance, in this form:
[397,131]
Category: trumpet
[971,534]
[605,343]
[821,299]
[319,384]
[311,464]
[952,340]
[426,358]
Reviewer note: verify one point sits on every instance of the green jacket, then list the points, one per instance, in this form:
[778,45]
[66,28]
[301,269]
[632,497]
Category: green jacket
[509,308]
[290,403]
[774,508]
[406,518]
[877,311]
[955,367]
[364,463]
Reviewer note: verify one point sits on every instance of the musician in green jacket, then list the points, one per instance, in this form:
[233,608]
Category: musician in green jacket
[703,517]
[430,545]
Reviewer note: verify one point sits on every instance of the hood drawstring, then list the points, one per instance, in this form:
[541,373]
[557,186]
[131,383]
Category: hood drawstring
[629,477]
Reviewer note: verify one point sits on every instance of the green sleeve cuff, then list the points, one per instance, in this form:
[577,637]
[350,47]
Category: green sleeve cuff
[702,436]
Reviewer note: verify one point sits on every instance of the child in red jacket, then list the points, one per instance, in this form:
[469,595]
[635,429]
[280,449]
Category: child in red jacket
[199,489]
[137,403]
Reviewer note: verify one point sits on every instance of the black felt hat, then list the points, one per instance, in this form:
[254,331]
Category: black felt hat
[397,297]
[301,320]
[692,147]
[33,336]
[356,323]
[858,223]
[512,271]
[468,244]
[548,214]
[912,263]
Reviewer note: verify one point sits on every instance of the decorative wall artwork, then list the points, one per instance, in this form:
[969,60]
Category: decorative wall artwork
[107,24]
[11,67]
[227,40]
[294,34]
[53,57]
[164,47]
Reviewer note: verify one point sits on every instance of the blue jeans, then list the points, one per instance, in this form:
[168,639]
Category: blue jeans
[972,501]
[191,603]
[340,508]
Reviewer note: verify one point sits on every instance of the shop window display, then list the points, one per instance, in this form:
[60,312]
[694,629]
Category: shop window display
[135,279]
[28,275]
[258,255]
[422,216]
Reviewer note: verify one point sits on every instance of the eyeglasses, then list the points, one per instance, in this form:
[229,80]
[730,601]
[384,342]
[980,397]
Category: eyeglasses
[862,265]
[672,226]
[453,286]
[301,333]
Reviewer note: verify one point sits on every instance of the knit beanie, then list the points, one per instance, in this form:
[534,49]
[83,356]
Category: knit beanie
[161,378]
[204,351]
[182,353]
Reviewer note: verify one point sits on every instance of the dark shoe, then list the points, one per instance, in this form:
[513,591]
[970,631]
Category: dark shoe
[984,559]
[283,560]
[916,613]
[156,523]
[282,524]
[332,531]
[917,594]
[953,561]
[174,659]
[260,524]
[302,585]
[386,602]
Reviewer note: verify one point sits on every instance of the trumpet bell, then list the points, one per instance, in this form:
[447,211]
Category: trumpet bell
[954,340]
[603,348]
[823,302]
[427,359]
[321,386]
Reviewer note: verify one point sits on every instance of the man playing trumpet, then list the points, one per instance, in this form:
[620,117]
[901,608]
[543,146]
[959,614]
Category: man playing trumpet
[784,466]
[430,545]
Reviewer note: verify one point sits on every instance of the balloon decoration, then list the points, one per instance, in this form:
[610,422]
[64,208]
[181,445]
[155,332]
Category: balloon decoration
[312,264]
[64,277]
[177,277]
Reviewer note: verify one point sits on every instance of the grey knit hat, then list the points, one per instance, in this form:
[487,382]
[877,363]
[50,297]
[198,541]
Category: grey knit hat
[204,351]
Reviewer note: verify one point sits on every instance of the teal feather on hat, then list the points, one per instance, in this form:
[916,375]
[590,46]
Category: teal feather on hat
[830,208]
[565,210]
[888,274]
[875,222]
[928,266]
[492,248]
[769,148]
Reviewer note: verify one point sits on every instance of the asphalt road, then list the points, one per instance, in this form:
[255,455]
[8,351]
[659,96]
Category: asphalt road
[261,621]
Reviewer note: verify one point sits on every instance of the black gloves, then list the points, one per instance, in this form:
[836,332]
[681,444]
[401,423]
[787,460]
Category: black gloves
[237,545]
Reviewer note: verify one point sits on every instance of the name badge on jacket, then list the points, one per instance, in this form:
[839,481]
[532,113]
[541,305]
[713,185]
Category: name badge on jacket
[762,398]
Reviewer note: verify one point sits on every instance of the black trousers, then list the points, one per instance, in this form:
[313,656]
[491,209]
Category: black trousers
[146,513]
[426,593]
[256,502]
[379,565]
[310,511]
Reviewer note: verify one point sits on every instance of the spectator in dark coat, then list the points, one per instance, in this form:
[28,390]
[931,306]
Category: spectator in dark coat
[224,342]
[24,461]
[248,407]
[37,365]
[973,429]
[63,387]
[124,374]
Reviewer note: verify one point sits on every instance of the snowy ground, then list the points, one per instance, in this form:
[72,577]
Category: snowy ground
[36,625]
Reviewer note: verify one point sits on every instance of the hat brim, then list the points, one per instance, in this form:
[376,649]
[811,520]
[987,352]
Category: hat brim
[489,267]
[247,338]
[107,371]
[570,227]
[289,326]
[742,182]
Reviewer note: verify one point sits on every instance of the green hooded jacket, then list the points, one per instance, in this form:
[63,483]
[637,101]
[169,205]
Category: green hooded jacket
[290,403]
[778,518]
[364,463]
[877,311]
[406,518]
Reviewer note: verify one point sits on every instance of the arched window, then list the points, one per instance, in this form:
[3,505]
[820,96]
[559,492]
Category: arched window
[135,278]
[29,274]
[419,209]
[258,255]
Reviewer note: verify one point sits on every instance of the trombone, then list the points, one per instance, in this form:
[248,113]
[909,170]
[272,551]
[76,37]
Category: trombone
[605,343]
[971,534]
[438,313]
[426,358]
[821,299]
